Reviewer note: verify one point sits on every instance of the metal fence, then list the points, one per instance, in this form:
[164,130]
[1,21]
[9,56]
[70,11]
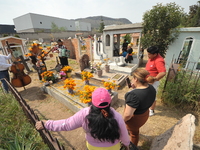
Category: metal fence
[52,142]
[192,74]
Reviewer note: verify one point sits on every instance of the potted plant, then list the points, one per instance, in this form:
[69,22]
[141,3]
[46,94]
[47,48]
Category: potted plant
[62,75]
[99,71]
[70,84]
[67,70]
[109,85]
[107,67]
[86,76]
[48,76]
[86,94]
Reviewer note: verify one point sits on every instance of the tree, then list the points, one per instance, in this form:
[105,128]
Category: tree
[55,28]
[193,18]
[102,25]
[160,26]
[128,38]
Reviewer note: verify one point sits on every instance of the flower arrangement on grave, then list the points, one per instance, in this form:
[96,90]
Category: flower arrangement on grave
[86,76]
[67,69]
[70,84]
[106,61]
[48,76]
[62,74]
[97,66]
[92,66]
[109,85]
[86,94]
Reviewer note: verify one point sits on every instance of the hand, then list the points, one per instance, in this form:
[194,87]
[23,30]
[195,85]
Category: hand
[39,125]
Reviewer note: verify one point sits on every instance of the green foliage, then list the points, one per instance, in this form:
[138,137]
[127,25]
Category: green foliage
[193,18]
[183,91]
[160,26]
[16,133]
[4,35]
[55,28]
[16,35]
[128,38]
[102,25]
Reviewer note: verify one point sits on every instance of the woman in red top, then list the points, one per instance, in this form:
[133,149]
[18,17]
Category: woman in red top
[156,67]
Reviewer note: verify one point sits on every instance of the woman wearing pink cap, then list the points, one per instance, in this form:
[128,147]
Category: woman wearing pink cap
[104,127]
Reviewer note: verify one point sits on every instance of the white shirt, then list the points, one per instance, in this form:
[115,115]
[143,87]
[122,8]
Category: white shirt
[3,62]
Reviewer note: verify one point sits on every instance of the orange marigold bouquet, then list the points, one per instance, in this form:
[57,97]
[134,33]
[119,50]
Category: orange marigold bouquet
[109,84]
[48,76]
[67,69]
[69,83]
[86,75]
[36,49]
[86,95]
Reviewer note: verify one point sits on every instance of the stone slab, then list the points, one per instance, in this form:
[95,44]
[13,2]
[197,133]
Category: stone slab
[179,137]
[71,101]
[120,78]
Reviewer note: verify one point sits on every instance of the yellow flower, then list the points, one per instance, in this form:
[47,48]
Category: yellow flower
[86,75]
[109,85]
[69,83]
[86,94]
[47,76]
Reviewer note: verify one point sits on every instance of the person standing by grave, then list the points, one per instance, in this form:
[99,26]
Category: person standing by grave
[137,102]
[4,66]
[125,45]
[104,127]
[63,53]
[129,56]
[156,67]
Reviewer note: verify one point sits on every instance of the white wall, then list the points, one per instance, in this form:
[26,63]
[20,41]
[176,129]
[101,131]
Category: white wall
[175,48]
[23,22]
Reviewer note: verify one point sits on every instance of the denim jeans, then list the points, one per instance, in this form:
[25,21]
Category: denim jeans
[4,74]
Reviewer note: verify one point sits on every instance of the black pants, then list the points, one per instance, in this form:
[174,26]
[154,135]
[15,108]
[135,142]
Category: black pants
[129,59]
[5,74]
[64,61]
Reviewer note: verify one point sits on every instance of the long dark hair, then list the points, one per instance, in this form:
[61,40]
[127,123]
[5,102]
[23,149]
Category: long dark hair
[101,127]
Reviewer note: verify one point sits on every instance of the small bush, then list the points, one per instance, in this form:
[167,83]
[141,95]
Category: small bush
[183,91]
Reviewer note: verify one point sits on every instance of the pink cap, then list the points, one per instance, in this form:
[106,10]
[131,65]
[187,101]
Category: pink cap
[101,95]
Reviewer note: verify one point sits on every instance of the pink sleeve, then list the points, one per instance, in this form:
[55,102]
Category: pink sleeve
[124,137]
[124,133]
[71,123]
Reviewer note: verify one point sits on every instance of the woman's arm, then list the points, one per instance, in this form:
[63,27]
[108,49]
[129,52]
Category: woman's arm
[160,76]
[71,123]
[128,112]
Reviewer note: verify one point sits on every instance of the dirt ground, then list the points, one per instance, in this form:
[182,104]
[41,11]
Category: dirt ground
[49,108]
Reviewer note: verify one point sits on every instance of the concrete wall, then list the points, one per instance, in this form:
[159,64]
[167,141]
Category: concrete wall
[175,48]
[48,36]
[35,21]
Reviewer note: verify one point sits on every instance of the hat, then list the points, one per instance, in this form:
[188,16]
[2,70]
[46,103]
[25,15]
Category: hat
[99,96]
[59,40]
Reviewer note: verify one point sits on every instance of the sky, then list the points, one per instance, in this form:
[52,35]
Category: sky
[132,10]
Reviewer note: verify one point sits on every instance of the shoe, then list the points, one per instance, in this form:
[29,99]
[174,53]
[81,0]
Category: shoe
[151,112]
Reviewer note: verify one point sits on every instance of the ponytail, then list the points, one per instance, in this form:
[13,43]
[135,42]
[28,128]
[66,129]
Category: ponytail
[102,124]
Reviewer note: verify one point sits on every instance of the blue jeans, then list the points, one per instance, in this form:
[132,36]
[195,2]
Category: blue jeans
[4,74]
